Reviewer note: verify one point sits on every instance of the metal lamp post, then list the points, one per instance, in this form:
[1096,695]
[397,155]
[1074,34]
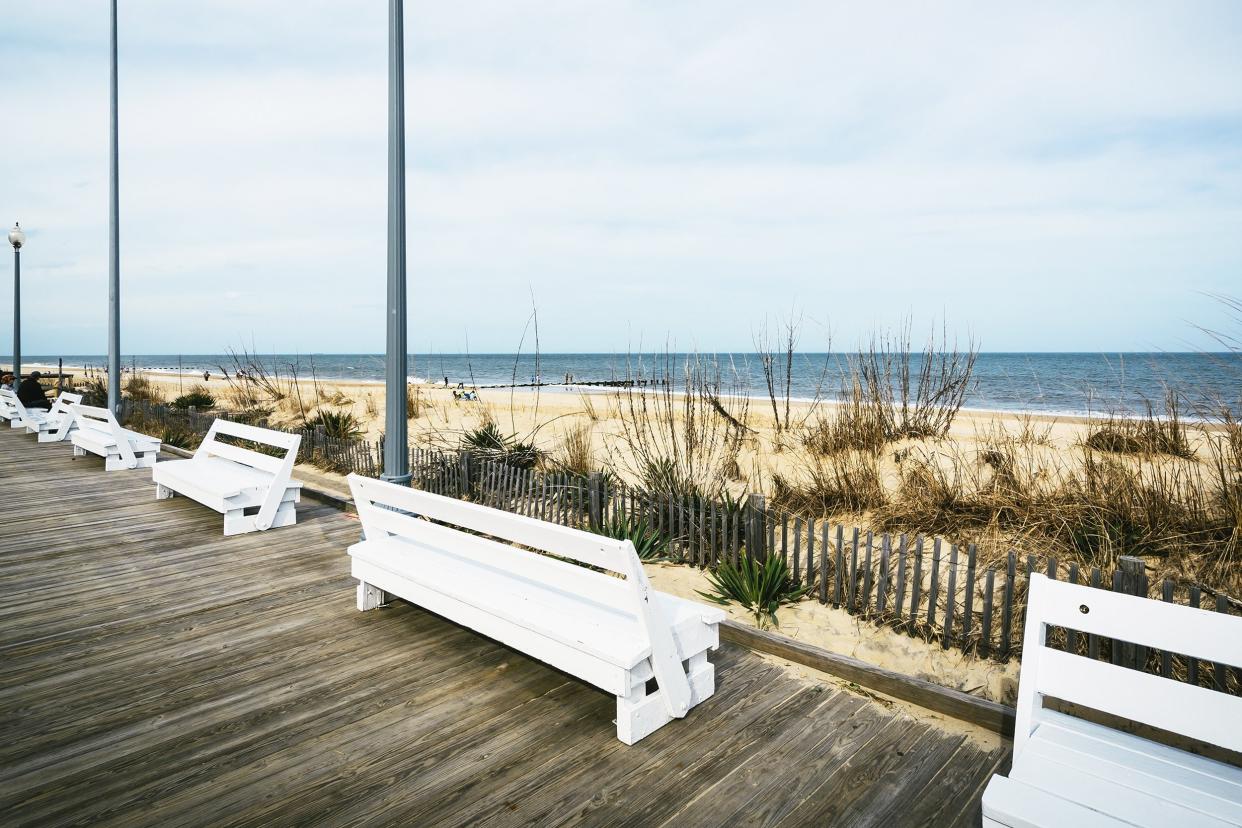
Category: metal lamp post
[114,249]
[396,450]
[17,238]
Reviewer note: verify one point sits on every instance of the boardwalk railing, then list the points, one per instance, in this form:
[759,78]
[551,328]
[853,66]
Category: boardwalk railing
[921,586]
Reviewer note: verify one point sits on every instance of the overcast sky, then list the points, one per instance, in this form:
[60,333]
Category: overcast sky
[1047,176]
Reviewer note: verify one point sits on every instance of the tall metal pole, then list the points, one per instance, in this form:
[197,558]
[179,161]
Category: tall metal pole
[114,251]
[396,449]
[17,316]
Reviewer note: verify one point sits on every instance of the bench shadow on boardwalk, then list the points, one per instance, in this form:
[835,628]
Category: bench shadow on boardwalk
[153,672]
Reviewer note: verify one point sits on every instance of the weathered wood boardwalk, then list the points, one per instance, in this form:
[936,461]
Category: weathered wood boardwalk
[153,672]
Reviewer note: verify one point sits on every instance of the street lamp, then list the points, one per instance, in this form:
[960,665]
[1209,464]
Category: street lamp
[17,238]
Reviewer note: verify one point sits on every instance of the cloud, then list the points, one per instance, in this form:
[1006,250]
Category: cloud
[1055,176]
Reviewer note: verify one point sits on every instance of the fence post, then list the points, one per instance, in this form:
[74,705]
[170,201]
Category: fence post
[595,505]
[1133,582]
[756,513]
[463,474]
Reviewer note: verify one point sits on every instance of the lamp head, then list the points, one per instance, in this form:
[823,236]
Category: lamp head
[16,237]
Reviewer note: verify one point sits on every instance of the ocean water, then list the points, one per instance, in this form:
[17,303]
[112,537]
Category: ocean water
[1063,383]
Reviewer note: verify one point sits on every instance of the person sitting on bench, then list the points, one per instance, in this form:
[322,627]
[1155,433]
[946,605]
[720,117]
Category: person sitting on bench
[31,393]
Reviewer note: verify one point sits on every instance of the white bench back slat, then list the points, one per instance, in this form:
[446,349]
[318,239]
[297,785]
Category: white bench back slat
[1196,712]
[212,447]
[561,541]
[16,406]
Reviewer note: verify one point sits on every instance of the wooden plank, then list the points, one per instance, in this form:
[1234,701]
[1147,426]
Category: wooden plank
[985,634]
[881,588]
[867,576]
[933,591]
[918,581]
[995,717]
[839,575]
[823,563]
[968,609]
[1007,610]
[950,603]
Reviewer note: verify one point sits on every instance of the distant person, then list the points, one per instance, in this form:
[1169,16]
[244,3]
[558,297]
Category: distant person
[446,380]
[31,393]
[206,376]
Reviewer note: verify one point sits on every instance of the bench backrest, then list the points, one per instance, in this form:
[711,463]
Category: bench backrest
[213,447]
[8,403]
[376,501]
[1195,712]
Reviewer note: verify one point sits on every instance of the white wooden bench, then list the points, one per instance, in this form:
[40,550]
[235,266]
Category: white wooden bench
[616,633]
[52,425]
[254,491]
[99,433]
[8,408]
[1070,772]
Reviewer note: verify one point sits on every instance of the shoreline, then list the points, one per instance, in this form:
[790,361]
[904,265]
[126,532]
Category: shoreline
[1042,415]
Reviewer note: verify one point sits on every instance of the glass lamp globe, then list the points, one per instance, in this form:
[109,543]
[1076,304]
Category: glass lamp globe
[16,237]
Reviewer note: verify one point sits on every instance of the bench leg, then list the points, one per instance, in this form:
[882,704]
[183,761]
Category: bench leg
[162,492]
[78,451]
[640,714]
[146,460]
[114,462]
[236,522]
[370,597]
[286,515]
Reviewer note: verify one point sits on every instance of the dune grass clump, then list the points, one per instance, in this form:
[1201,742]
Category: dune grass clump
[197,397]
[338,425]
[761,588]
[94,392]
[490,442]
[141,389]
[648,544]
[1148,434]
[577,453]
[844,481]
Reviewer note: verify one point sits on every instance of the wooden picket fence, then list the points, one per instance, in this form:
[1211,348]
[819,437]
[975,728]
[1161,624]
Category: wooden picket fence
[921,586]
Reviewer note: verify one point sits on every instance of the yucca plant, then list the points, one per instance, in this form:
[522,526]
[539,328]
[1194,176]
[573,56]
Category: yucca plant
[647,541]
[489,440]
[339,425]
[197,397]
[759,587]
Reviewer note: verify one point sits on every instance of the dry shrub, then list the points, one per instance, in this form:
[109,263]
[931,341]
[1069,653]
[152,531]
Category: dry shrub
[576,453]
[1148,434]
[680,428]
[1179,514]
[852,425]
[413,402]
[588,406]
[826,484]
[138,387]
[371,408]
[912,396]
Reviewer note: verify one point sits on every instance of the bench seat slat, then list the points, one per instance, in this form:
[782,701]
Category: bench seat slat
[1013,804]
[597,628]
[221,478]
[1132,760]
[1076,777]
